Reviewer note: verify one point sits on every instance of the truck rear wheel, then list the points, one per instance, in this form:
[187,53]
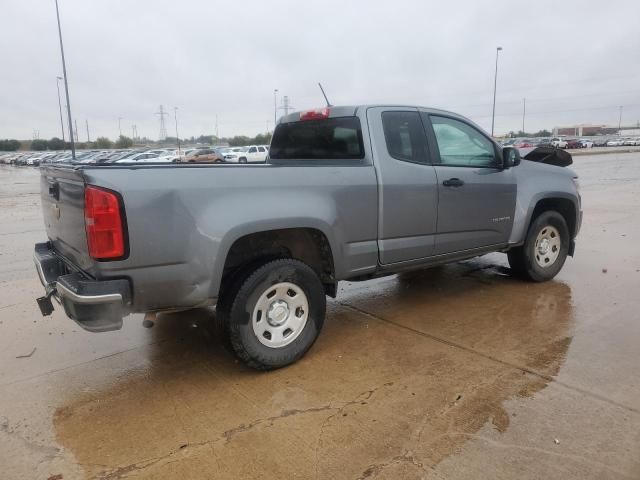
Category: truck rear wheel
[545,249]
[274,314]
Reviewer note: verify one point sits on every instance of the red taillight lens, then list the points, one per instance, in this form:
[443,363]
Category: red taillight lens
[103,223]
[317,114]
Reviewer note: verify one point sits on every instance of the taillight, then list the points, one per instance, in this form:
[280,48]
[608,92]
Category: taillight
[103,223]
[317,114]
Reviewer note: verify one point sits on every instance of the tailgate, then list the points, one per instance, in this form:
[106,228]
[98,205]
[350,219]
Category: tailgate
[62,196]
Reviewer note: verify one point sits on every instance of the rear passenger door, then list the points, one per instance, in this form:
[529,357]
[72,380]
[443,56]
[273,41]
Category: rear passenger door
[476,196]
[407,191]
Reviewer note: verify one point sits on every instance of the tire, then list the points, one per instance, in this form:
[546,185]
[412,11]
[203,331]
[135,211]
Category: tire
[537,261]
[260,322]
[242,160]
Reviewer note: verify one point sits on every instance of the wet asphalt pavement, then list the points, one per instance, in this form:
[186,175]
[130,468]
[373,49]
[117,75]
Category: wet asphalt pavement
[453,373]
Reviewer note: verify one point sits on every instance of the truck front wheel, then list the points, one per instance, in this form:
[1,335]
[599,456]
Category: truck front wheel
[545,249]
[274,314]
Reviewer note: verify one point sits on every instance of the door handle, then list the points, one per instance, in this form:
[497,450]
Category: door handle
[453,182]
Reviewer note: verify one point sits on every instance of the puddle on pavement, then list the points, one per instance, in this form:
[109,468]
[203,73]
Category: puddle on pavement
[405,370]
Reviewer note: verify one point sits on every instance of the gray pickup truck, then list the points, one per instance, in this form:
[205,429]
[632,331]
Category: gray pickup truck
[347,193]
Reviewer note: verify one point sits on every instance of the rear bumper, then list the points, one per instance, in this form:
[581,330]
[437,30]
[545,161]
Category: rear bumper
[95,305]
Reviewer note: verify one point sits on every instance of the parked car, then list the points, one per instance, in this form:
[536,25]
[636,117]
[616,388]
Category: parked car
[235,155]
[143,157]
[525,143]
[362,197]
[203,155]
[574,143]
[559,142]
[600,142]
[586,143]
[250,154]
[615,142]
[630,142]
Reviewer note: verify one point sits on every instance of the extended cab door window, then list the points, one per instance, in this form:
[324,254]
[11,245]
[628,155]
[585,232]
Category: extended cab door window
[404,135]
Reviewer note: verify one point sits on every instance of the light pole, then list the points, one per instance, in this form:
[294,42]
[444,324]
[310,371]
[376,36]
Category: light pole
[66,84]
[495,84]
[119,125]
[175,116]
[620,121]
[60,108]
[275,107]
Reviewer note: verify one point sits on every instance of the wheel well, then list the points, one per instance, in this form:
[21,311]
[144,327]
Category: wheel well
[308,245]
[563,206]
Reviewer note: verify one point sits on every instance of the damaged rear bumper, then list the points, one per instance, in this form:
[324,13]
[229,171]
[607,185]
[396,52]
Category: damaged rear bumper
[95,305]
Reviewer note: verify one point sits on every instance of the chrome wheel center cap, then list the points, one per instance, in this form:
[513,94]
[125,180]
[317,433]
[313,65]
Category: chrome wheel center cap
[278,313]
[543,248]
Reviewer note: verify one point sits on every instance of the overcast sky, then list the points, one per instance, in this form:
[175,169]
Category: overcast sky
[574,61]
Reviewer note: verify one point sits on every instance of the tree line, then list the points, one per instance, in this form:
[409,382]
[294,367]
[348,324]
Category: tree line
[123,141]
[9,145]
[521,134]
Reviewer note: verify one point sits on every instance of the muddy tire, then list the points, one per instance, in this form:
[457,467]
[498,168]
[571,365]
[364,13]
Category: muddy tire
[273,314]
[545,249]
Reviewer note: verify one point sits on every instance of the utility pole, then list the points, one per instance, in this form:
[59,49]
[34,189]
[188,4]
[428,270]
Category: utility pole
[66,83]
[88,137]
[275,107]
[163,128]
[495,85]
[75,122]
[217,136]
[60,108]
[524,112]
[175,116]
[134,132]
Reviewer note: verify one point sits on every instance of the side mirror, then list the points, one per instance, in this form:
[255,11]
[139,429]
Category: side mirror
[510,157]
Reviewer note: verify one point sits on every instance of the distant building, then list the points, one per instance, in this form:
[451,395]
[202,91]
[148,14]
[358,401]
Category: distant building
[582,130]
[629,132]
[585,130]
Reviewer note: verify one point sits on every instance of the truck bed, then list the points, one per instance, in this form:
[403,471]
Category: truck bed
[182,219]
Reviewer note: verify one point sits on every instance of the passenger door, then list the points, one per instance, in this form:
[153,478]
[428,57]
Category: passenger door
[262,154]
[476,196]
[252,154]
[407,191]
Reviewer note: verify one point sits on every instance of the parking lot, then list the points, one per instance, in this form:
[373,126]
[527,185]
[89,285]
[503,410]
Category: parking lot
[456,372]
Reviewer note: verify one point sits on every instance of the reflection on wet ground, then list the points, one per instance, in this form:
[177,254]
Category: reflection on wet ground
[455,372]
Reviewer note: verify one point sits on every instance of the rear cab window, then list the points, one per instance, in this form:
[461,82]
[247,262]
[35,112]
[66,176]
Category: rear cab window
[337,138]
